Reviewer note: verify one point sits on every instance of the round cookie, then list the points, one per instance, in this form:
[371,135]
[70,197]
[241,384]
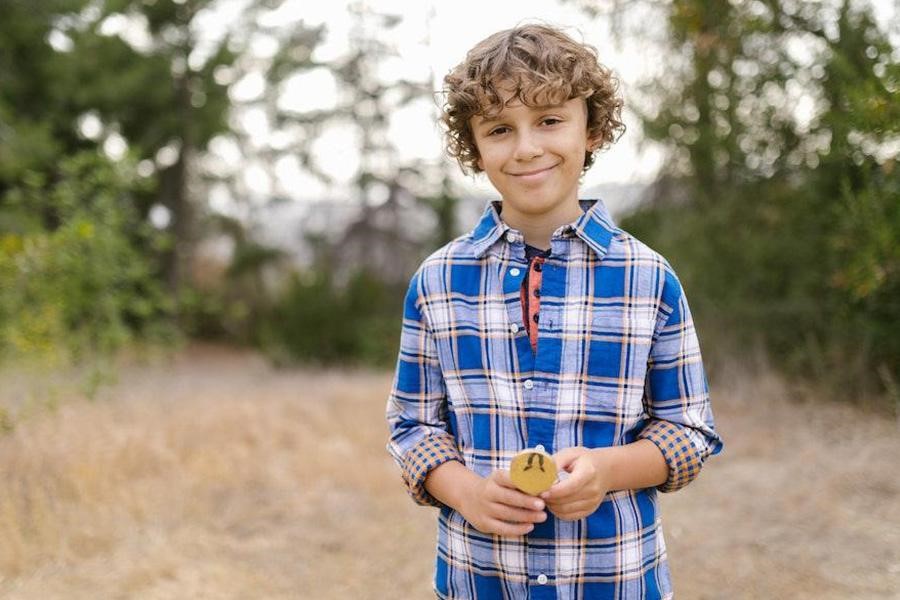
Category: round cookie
[532,471]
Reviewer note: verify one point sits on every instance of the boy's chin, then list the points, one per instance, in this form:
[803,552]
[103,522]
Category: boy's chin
[535,205]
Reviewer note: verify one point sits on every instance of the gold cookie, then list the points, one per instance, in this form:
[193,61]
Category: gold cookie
[532,471]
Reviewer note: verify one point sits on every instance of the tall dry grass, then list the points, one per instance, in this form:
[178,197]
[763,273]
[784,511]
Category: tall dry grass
[216,476]
[211,477]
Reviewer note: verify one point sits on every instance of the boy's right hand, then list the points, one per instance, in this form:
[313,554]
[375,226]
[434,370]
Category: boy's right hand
[494,505]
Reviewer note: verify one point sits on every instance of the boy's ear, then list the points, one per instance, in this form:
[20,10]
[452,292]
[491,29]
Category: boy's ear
[480,163]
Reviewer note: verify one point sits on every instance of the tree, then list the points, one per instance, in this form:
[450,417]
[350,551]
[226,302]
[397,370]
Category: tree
[162,97]
[107,85]
[782,127]
[384,188]
[346,305]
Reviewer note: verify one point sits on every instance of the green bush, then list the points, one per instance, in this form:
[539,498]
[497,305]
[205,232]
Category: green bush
[319,321]
[813,278]
[78,287]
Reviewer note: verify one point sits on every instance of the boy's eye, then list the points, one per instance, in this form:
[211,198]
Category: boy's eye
[497,130]
[552,120]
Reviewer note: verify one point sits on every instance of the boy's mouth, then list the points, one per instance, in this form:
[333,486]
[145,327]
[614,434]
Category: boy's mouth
[533,174]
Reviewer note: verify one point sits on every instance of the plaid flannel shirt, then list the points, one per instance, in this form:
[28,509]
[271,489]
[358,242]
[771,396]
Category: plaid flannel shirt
[617,360]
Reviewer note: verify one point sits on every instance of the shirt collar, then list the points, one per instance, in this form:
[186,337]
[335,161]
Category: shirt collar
[595,227]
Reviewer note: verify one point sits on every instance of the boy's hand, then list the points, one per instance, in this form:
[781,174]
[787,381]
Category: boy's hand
[494,505]
[583,490]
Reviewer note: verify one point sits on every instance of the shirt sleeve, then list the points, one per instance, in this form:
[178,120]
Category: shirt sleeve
[676,393]
[420,436]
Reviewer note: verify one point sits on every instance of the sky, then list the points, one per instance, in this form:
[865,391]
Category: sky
[432,38]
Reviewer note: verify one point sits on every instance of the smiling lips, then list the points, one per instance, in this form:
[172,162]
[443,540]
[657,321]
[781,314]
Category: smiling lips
[536,174]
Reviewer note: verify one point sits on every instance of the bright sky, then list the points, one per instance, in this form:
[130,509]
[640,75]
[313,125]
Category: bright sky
[434,36]
[431,39]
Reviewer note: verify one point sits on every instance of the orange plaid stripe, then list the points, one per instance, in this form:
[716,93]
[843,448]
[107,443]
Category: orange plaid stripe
[616,351]
[432,451]
[680,453]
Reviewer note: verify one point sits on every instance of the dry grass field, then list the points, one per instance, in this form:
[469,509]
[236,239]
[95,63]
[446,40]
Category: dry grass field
[213,475]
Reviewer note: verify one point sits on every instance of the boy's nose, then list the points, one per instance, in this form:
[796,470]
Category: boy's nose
[527,148]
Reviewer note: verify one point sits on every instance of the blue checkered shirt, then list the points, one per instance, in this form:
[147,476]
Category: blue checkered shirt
[617,360]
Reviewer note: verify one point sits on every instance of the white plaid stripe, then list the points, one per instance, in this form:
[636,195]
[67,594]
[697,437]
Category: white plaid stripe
[617,359]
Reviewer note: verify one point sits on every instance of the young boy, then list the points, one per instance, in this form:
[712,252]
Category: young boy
[545,328]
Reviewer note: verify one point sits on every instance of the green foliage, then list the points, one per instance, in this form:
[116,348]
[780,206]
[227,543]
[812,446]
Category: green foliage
[230,303]
[58,66]
[81,289]
[791,237]
[87,270]
[319,321]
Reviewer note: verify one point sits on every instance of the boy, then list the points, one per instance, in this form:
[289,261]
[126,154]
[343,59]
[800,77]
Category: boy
[546,327]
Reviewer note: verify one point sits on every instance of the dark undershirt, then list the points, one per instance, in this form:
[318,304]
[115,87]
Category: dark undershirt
[532,251]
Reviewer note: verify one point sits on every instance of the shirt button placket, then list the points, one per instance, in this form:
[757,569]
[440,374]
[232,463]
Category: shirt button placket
[538,559]
[513,281]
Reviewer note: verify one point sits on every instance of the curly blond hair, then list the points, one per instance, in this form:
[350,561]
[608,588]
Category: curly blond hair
[543,66]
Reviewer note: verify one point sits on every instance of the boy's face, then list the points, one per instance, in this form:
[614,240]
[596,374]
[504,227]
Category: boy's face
[534,156]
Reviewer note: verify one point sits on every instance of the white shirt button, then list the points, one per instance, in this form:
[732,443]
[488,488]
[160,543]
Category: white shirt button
[514,328]
[514,272]
[528,384]
[542,579]
[510,236]
[540,448]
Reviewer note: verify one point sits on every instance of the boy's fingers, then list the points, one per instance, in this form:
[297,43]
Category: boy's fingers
[566,460]
[519,515]
[518,499]
[567,456]
[574,510]
[509,494]
[570,507]
[510,529]
[565,489]
[501,478]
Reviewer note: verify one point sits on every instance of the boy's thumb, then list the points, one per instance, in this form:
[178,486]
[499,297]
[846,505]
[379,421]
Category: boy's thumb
[565,458]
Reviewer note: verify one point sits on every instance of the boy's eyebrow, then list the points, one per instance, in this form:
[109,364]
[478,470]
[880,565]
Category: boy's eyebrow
[482,119]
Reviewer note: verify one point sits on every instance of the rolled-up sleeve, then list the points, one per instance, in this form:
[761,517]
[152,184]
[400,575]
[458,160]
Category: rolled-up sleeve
[676,393]
[420,437]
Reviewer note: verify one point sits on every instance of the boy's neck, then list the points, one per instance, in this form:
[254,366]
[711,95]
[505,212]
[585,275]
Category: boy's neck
[538,228]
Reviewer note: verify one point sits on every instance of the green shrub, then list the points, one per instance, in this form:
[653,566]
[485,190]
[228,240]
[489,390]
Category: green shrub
[811,276]
[80,287]
[319,321]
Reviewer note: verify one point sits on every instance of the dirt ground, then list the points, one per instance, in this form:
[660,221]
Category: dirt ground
[213,475]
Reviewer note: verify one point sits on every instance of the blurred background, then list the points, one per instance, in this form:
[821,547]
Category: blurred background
[210,211]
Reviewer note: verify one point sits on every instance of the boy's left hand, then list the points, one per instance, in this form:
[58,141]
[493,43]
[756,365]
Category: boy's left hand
[583,490]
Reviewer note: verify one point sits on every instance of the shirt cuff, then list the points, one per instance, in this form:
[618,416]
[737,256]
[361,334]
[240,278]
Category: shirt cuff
[428,454]
[681,456]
